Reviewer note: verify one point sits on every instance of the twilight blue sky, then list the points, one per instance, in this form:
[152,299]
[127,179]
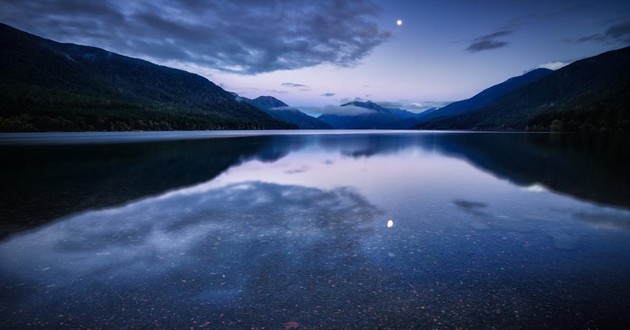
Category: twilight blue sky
[315,55]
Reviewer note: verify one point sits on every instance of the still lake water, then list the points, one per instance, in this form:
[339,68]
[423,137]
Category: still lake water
[236,230]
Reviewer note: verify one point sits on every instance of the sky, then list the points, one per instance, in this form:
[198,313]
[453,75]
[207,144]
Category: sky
[316,55]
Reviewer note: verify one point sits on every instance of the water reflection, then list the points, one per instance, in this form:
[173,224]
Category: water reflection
[608,219]
[44,182]
[233,246]
[333,231]
[41,183]
[590,167]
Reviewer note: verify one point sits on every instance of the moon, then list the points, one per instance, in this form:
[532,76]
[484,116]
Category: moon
[399,22]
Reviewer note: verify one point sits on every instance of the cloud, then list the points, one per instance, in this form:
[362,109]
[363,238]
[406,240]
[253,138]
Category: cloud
[348,100]
[594,37]
[328,94]
[617,33]
[489,41]
[290,84]
[287,108]
[348,110]
[286,35]
[411,106]
[553,65]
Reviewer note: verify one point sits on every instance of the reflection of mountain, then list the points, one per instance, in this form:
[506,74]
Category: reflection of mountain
[590,167]
[367,145]
[41,183]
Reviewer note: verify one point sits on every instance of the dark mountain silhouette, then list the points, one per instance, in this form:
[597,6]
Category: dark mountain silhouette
[374,117]
[486,96]
[281,111]
[587,95]
[51,86]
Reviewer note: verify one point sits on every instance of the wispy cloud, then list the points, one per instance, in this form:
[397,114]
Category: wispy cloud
[293,34]
[348,110]
[593,37]
[283,108]
[328,94]
[489,41]
[617,33]
[290,84]
[344,100]
[412,106]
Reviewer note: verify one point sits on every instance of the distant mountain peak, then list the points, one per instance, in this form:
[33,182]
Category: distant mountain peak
[378,117]
[269,102]
[360,103]
[367,105]
[282,111]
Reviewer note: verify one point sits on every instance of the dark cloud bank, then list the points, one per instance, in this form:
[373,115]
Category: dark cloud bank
[240,36]
[619,32]
[490,41]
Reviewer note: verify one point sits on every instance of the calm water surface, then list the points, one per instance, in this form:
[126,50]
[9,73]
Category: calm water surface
[301,231]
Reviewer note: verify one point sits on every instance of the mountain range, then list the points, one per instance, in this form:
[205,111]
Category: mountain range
[51,86]
[372,116]
[587,95]
[281,111]
[485,97]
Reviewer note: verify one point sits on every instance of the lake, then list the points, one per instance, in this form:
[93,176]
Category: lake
[309,229]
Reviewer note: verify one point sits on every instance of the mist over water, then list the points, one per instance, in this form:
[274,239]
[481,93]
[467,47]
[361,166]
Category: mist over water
[367,230]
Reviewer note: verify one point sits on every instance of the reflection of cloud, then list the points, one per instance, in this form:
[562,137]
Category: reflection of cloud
[609,220]
[212,246]
[360,153]
[471,207]
[298,170]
